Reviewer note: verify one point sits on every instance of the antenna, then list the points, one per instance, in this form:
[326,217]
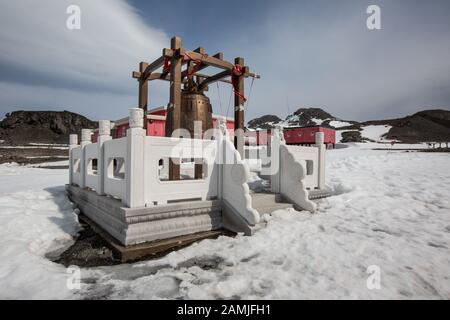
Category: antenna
[287,104]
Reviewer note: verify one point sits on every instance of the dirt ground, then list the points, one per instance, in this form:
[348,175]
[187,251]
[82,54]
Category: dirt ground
[32,155]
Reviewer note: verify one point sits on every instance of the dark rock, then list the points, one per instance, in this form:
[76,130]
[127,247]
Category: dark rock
[423,126]
[352,136]
[265,122]
[23,127]
[304,117]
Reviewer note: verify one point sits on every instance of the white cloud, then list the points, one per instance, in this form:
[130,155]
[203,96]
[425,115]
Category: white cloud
[38,51]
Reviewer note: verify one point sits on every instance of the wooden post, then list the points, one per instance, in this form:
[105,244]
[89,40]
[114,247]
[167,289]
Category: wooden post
[175,98]
[143,91]
[239,109]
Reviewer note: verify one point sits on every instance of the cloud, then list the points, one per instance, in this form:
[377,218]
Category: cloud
[322,55]
[309,53]
[40,54]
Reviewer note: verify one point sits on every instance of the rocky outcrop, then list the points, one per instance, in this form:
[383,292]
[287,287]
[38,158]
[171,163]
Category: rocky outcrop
[265,122]
[23,127]
[308,117]
[423,126]
[302,117]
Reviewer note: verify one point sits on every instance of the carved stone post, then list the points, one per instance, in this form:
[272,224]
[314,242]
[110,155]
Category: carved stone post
[134,170]
[320,138]
[85,140]
[274,170]
[104,134]
[73,143]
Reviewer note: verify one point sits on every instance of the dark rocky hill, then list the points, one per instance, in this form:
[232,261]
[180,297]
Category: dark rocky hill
[264,122]
[423,126]
[23,127]
[308,117]
[302,117]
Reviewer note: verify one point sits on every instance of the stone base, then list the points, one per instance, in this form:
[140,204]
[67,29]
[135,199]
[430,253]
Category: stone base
[152,249]
[130,226]
[319,193]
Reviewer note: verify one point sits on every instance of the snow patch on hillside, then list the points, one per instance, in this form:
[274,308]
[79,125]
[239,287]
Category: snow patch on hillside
[317,121]
[375,132]
[339,124]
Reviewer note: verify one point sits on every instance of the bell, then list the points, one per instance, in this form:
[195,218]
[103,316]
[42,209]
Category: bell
[194,107]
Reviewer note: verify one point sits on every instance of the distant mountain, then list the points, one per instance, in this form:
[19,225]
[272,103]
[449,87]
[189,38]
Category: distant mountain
[302,117]
[308,117]
[23,127]
[423,126]
[264,122]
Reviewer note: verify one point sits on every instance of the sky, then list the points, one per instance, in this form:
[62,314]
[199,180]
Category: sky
[316,53]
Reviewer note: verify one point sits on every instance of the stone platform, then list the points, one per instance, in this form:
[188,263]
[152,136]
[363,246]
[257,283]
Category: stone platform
[130,226]
[152,249]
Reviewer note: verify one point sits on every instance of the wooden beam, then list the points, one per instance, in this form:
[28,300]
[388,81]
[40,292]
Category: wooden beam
[153,66]
[175,100]
[159,76]
[143,91]
[239,109]
[166,77]
[200,50]
[214,78]
[208,60]
[218,55]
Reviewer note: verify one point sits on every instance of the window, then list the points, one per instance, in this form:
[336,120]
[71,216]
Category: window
[116,168]
[187,169]
[92,166]
[309,167]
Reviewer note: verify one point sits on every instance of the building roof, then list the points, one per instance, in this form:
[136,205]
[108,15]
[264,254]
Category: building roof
[316,126]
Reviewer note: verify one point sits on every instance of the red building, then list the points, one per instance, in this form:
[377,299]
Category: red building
[257,137]
[156,122]
[294,136]
[306,135]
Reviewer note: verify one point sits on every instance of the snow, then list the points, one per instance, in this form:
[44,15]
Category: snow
[35,218]
[317,121]
[339,124]
[389,208]
[49,144]
[375,132]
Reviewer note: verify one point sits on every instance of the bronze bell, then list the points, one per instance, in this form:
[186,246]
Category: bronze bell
[194,107]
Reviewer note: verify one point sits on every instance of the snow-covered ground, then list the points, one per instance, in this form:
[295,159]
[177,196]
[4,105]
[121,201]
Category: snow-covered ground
[390,209]
[375,132]
[339,124]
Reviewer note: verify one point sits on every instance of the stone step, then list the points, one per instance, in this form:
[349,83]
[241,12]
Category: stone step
[268,202]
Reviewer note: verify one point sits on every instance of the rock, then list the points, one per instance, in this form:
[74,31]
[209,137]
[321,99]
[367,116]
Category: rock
[353,136]
[265,122]
[24,127]
[423,126]
[308,117]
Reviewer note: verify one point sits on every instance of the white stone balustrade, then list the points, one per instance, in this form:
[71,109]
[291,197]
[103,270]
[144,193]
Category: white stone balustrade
[124,184]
